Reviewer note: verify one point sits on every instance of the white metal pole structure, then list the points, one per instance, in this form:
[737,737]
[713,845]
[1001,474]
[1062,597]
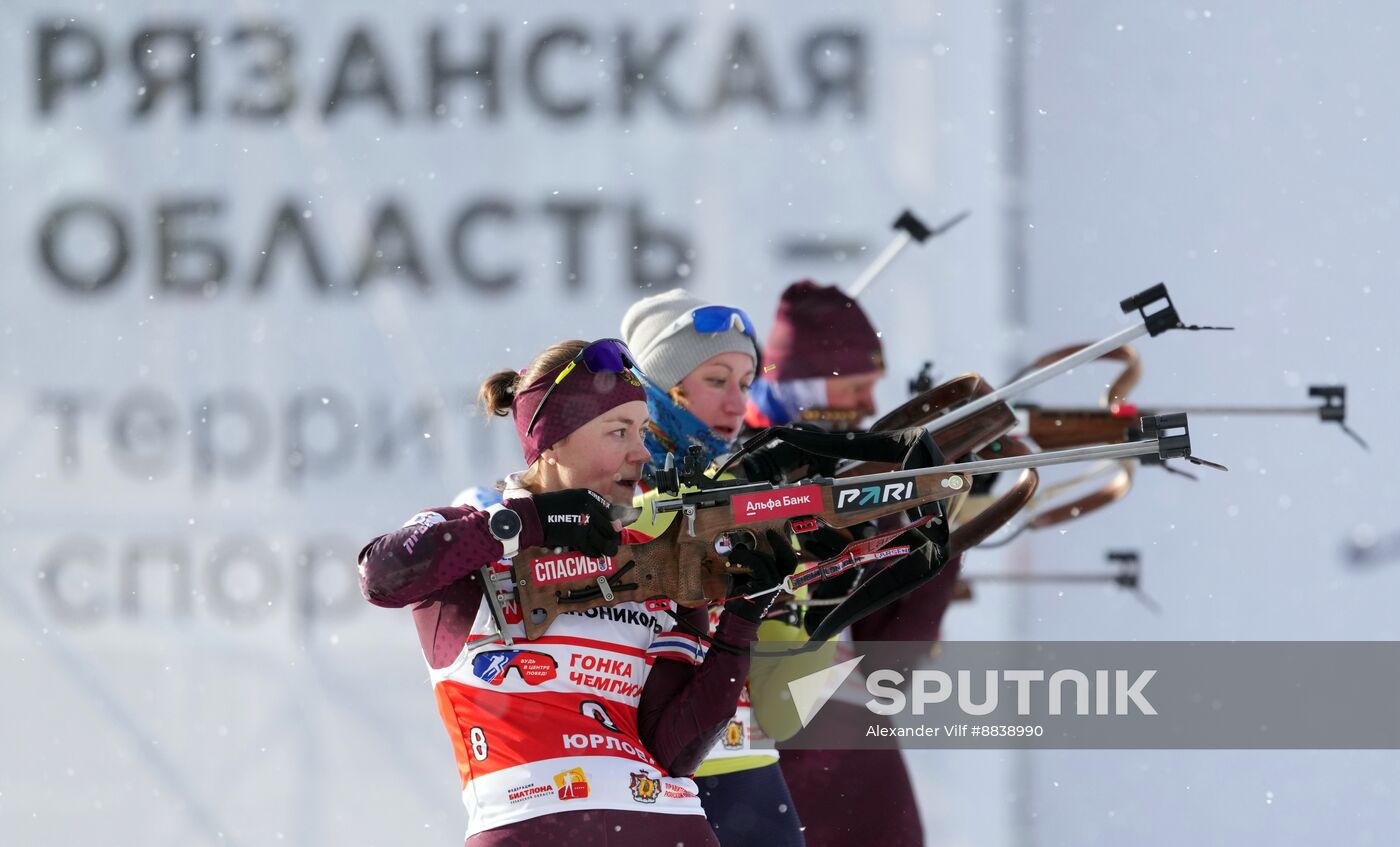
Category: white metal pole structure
[1153,323]
[908,228]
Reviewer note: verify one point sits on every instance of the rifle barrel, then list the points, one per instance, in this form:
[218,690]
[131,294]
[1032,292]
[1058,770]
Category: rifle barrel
[1188,409]
[1016,463]
[1036,377]
[1042,577]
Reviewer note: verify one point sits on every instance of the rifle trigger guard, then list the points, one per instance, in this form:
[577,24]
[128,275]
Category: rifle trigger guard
[728,542]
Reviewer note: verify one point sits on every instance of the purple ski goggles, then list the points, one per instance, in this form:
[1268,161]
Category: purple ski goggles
[607,355]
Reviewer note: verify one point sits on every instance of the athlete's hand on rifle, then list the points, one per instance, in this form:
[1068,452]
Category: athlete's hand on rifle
[578,519]
[826,542]
[782,461]
[766,571]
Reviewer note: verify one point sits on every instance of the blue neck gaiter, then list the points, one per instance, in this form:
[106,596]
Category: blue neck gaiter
[673,429]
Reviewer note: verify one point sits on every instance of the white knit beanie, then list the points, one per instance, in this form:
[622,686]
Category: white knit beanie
[669,360]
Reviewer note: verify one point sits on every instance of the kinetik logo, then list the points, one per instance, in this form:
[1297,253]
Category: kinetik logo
[567,566]
[853,497]
[783,503]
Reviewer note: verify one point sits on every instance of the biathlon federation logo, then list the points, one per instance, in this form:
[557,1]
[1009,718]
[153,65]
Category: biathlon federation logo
[571,784]
[645,787]
[529,791]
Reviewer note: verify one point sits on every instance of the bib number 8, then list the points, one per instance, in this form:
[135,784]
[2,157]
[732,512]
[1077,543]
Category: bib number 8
[478,742]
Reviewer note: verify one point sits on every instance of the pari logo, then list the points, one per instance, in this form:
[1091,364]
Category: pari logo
[782,503]
[853,497]
[566,566]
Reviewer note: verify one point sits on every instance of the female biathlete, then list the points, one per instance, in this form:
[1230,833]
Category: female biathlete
[701,360]
[823,361]
[586,735]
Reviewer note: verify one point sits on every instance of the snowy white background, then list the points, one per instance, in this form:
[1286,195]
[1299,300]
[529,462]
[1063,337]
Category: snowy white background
[1239,154]
[1245,155]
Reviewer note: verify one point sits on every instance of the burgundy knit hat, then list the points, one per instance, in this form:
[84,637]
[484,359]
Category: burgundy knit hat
[819,331]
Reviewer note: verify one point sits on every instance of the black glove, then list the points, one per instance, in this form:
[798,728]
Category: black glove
[777,462]
[826,542]
[765,571]
[880,588]
[578,519]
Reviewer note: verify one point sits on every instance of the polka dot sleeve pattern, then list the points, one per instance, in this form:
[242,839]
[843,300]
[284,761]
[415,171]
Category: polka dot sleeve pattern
[435,549]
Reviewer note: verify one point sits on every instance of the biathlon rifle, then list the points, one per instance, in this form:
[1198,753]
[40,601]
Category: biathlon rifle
[1127,575]
[1065,427]
[688,563]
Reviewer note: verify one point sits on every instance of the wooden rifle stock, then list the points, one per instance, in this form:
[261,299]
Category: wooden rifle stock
[1055,429]
[684,565]
[960,439]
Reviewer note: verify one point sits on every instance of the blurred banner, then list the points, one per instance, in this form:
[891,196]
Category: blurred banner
[260,258]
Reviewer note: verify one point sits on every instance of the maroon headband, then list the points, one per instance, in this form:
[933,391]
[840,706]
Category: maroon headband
[581,397]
